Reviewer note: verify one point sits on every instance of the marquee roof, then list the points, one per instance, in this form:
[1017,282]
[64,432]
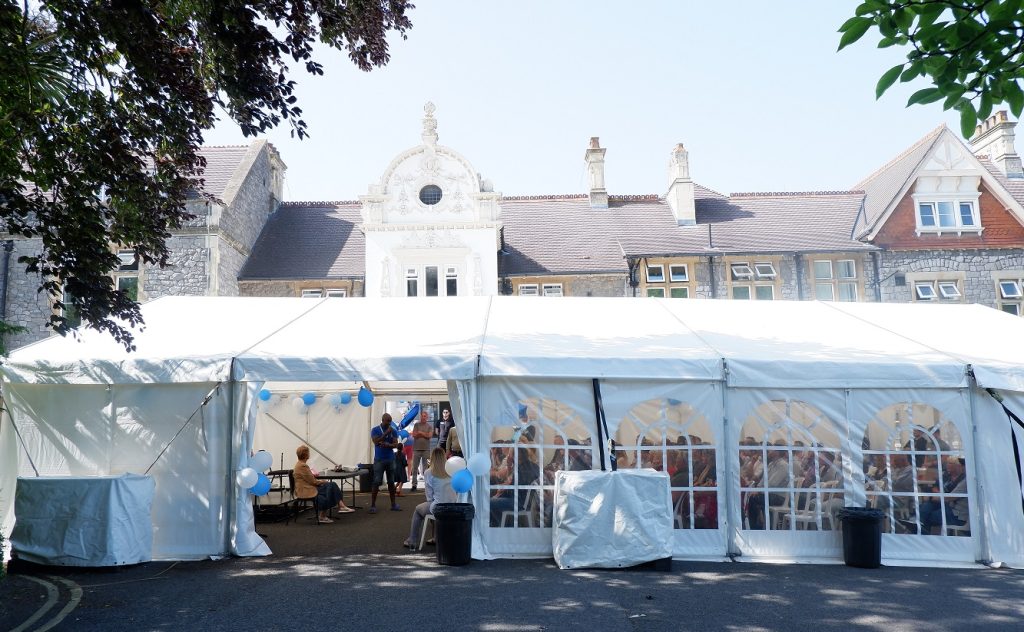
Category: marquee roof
[747,344]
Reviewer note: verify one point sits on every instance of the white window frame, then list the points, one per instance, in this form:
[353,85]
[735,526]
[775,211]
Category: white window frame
[655,292]
[759,287]
[831,270]
[1015,294]
[958,227]
[451,272]
[839,269]
[949,290]
[528,289]
[764,270]
[552,289]
[677,278]
[315,293]
[660,276]
[1010,292]
[741,271]
[412,273]
[336,293]
[929,295]
[684,288]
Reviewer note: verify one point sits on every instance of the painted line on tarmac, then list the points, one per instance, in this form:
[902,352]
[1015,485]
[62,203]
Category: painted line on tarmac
[76,597]
[51,601]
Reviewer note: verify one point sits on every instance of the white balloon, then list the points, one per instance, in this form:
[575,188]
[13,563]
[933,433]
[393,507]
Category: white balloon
[298,404]
[479,464]
[247,477]
[335,400]
[261,461]
[454,464]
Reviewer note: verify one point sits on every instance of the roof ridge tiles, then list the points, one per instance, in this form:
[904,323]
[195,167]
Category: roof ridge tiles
[320,203]
[224,147]
[557,196]
[795,193]
[930,136]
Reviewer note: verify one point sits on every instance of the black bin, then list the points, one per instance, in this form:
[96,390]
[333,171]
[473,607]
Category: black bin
[454,533]
[365,480]
[862,536]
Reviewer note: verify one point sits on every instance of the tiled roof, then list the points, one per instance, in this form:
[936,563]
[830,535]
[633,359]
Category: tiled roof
[751,223]
[1015,186]
[222,161]
[309,240]
[884,184]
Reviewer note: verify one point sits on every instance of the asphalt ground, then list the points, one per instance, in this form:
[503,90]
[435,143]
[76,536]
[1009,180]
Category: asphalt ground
[355,575]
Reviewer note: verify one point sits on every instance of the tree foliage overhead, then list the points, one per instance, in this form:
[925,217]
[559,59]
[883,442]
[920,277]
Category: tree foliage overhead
[103,105]
[972,51]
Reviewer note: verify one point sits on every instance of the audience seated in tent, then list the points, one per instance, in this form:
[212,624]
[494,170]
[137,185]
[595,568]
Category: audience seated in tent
[327,493]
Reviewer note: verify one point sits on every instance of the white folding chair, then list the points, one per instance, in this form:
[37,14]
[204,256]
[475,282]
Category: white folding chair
[429,520]
[528,511]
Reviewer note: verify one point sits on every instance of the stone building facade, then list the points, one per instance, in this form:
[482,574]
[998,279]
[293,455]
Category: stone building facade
[942,222]
[206,254]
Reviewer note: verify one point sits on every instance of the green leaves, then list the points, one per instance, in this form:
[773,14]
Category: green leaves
[853,29]
[103,106]
[887,80]
[970,51]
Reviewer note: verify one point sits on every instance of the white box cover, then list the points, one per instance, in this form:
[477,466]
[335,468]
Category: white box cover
[84,521]
[611,519]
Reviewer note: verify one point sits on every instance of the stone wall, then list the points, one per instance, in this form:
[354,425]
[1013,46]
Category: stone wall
[597,285]
[187,272]
[977,267]
[26,307]
[354,287]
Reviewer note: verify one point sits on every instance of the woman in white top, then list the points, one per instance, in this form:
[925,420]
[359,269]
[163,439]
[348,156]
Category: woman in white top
[439,490]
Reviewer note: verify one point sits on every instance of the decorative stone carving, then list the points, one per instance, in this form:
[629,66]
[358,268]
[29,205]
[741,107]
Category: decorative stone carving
[426,239]
[385,277]
[429,125]
[478,282]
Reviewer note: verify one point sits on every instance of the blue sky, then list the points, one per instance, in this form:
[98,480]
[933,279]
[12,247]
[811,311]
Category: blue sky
[755,90]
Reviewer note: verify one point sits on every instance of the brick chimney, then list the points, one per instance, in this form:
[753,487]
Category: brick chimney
[595,173]
[994,138]
[680,187]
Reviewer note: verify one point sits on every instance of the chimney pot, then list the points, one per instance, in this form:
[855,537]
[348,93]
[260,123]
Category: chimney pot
[995,138]
[595,173]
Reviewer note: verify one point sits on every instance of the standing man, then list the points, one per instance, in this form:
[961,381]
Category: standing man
[444,426]
[422,431]
[385,440]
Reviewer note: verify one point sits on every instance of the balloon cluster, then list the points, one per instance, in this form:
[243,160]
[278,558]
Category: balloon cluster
[302,403]
[462,472]
[252,478]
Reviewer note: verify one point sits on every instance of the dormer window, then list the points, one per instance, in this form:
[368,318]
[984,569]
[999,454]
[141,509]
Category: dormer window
[948,216]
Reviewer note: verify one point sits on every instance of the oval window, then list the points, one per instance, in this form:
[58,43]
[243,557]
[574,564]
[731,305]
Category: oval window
[430,194]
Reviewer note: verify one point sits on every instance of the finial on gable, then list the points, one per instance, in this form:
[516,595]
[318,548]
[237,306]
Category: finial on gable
[429,125]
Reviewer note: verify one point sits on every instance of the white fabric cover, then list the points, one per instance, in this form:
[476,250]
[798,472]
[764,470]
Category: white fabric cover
[611,519]
[92,521]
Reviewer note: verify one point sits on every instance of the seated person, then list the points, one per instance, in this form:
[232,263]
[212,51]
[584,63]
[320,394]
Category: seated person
[955,509]
[327,493]
[526,472]
[439,490]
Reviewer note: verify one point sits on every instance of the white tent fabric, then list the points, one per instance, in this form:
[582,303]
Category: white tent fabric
[86,407]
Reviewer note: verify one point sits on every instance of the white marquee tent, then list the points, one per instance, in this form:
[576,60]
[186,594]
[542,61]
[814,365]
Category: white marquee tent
[768,416]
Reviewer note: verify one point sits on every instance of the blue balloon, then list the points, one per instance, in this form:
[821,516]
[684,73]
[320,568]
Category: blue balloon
[462,481]
[262,485]
[365,396]
[404,434]
[308,399]
[264,395]
[346,398]
[410,415]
